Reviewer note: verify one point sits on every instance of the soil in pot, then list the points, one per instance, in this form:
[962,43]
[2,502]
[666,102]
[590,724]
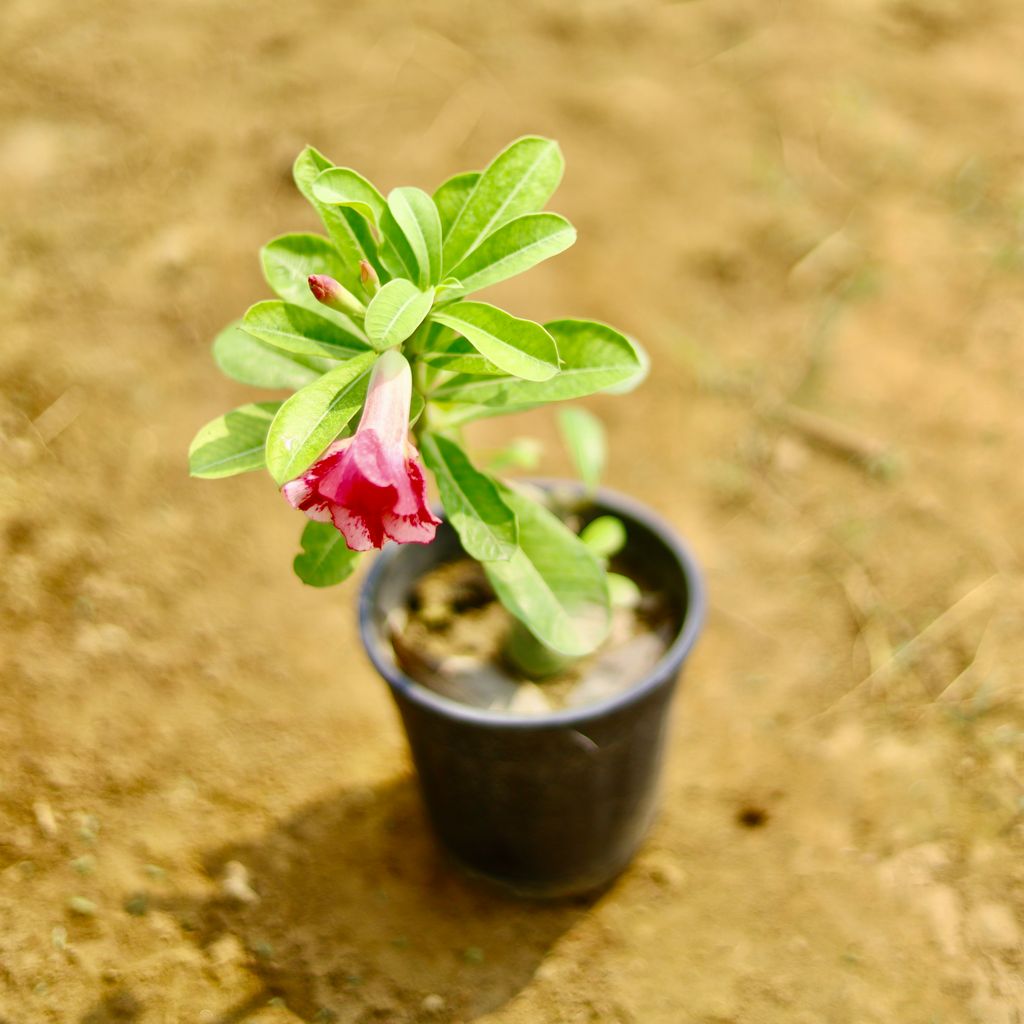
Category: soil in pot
[451,635]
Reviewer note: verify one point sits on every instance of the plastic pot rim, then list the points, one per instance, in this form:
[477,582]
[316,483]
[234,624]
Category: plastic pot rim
[669,663]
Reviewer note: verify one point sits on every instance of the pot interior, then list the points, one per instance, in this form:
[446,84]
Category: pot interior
[413,658]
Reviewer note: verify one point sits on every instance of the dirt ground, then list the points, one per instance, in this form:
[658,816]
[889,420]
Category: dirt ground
[812,212]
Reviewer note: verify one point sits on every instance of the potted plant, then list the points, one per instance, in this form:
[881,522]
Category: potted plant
[531,634]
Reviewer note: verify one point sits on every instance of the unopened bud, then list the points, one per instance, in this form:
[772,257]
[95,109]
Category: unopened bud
[331,293]
[368,277]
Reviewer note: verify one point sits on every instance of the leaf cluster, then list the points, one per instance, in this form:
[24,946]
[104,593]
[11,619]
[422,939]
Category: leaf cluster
[410,262]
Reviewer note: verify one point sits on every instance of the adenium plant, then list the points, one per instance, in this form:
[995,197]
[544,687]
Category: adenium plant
[389,359]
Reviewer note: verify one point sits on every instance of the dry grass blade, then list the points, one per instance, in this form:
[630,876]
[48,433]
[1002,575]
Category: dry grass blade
[978,665]
[59,415]
[834,436]
[935,631]
[865,603]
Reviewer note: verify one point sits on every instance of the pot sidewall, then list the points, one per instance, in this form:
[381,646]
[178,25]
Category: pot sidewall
[548,805]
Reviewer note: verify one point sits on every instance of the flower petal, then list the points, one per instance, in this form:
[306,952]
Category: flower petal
[388,399]
[360,534]
[297,492]
[381,465]
[409,529]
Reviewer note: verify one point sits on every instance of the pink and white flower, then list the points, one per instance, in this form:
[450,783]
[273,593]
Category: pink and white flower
[371,485]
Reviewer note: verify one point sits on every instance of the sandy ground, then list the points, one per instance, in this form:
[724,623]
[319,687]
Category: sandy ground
[797,204]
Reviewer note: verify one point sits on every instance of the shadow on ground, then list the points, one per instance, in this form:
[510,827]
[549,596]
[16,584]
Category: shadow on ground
[119,1007]
[361,917]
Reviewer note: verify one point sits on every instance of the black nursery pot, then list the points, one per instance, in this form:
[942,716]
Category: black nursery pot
[549,805]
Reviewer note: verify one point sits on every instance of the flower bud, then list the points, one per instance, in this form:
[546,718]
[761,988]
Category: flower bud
[368,277]
[331,293]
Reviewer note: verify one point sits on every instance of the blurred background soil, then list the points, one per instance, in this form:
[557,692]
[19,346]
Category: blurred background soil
[812,213]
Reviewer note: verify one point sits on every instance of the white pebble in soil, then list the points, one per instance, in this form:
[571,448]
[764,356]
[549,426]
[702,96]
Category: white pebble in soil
[234,884]
[474,682]
[529,699]
[618,668]
[433,1003]
[663,869]
[45,818]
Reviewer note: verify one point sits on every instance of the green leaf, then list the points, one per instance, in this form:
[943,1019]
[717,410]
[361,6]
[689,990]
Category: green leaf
[395,312]
[553,583]
[516,246]
[416,407]
[412,225]
[307,167]
[451,197]
[623,591]
[436,339]
[251,361]
[520,453]
[461,357]
[448,291]
[605,536]
[325,559]
[341,186]
[395,251]
[584,437]
[288,262]
[441,338]
[391,260]
[298,330]
[594,357]
[485,524]
[516,346]
[232,443]
[519,180]
[314,417]
[347,230]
